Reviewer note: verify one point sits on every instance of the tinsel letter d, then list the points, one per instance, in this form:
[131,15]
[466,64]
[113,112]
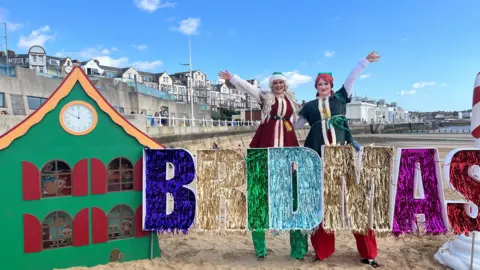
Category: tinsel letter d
[308,214]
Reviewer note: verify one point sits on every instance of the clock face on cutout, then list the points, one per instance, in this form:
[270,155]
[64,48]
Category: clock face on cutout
[78,118]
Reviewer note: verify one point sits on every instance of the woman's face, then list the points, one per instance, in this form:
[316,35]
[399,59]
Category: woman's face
[278,87]
[323,88]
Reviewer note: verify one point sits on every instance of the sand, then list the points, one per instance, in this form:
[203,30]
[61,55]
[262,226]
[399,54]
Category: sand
[235,251]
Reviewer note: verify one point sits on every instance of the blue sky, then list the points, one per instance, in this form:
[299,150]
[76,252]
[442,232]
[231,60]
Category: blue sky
[430,49]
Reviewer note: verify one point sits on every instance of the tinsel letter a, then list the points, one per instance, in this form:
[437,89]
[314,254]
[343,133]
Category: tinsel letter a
[407,207]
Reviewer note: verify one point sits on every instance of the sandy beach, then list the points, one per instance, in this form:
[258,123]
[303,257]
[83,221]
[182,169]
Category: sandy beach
[235,250]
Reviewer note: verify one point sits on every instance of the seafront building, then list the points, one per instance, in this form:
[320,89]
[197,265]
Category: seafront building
[35,75]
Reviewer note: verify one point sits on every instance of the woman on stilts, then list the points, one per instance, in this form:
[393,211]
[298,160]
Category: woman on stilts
[278,107]
[332,107]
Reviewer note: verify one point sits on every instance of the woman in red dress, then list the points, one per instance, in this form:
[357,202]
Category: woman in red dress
[279,107]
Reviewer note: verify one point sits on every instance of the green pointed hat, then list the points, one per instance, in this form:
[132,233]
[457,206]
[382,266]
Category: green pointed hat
[277,76]
[327,73]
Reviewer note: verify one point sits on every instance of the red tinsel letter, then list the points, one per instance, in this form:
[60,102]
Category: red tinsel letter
[462,171]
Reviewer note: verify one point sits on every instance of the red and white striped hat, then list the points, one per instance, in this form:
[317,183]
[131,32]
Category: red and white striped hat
[476,109]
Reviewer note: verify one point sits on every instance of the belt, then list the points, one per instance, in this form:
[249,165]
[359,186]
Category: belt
[280,118]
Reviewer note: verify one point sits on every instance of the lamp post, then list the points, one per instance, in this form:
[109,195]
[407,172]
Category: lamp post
[6,44]
[191,78]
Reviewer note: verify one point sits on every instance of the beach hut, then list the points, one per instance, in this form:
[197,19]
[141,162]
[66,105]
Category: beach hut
[72,175]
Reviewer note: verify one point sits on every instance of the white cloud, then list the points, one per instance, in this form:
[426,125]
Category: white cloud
[364,76]
[36,37]
[407,93]
[152,5]
[188,26]
[106,60]
[329,54]
[11,26]
[102,55]
[422,84]
[442,85]
[294,79]
[88,53]
[140,47]
[147,65]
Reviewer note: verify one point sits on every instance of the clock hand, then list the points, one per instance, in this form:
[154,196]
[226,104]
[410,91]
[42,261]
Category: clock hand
[73,115]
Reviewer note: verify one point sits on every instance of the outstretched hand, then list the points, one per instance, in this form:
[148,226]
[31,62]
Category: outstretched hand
[373,57]
[225,75]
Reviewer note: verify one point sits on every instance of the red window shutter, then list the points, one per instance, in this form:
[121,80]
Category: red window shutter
[99,226]
[138,178]
[81,228]
[32,234]
[30,181]
[80,178]
[99,177]
[138,223]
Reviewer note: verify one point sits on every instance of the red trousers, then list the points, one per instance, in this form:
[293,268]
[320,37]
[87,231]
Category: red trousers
[324,244]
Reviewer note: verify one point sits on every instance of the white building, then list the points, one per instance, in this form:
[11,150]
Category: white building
[367,111]
[362,112]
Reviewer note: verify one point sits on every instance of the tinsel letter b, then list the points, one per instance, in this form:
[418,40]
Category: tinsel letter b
[156,187]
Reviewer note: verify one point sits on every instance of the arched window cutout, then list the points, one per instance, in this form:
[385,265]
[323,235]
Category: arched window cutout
[120,175]
[121,222]
[57,230]
[56,179]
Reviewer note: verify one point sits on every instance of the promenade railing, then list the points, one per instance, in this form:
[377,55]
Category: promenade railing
[153,121]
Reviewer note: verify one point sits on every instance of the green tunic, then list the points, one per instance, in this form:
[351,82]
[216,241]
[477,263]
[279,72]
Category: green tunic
[338,108]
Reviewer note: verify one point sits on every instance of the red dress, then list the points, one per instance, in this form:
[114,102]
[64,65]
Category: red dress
[281,123]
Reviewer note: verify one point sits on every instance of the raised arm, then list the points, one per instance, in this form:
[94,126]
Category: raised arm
[246,87]
[362,64]
[241,84]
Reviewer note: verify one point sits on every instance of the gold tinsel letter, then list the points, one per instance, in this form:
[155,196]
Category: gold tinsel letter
[339,171]
[376,173]
[211,186]
[348,199]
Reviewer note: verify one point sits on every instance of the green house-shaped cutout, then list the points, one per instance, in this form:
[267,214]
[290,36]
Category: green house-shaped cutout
[73,187]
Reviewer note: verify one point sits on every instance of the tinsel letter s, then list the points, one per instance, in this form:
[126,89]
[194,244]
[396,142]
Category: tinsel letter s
[210,186]
[407,207]
[309,192]
[257,189]
[461,169]
[156,187]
